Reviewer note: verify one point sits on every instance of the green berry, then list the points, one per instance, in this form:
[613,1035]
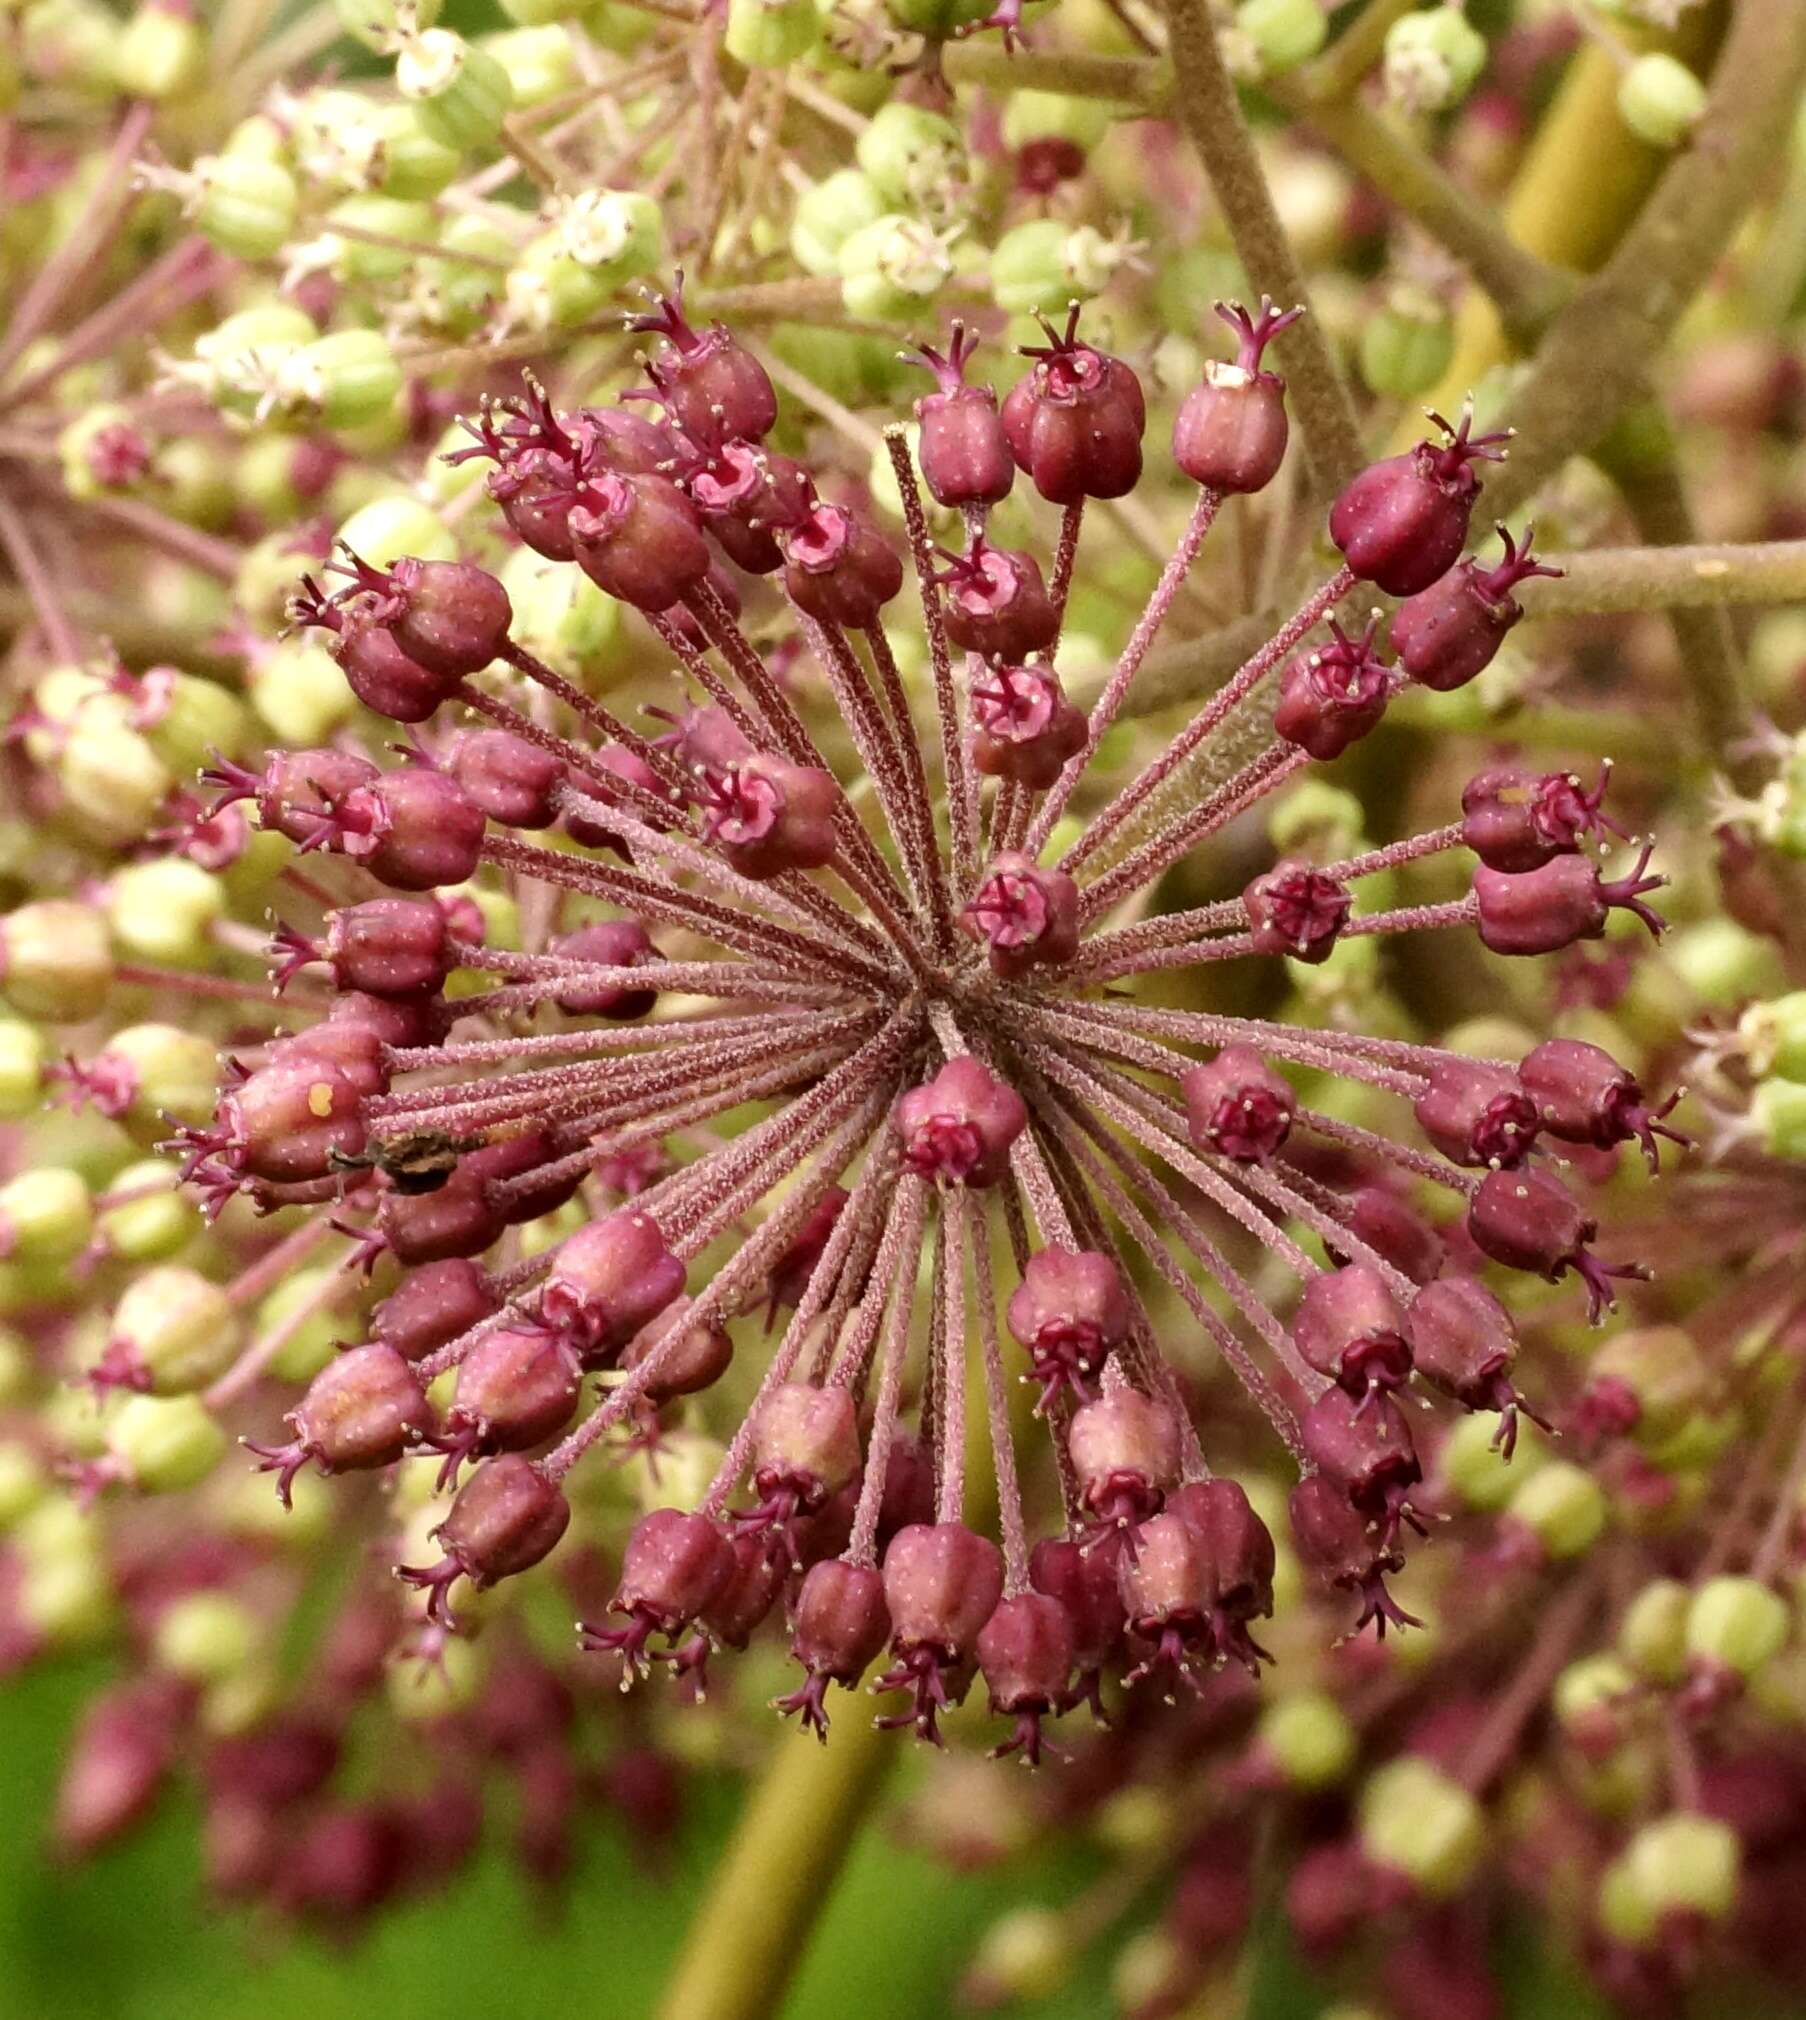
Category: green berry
[163,911]
[460,93]
[1307,1737]
[1778,1112]
[1478,1472]
[1417,1822]
[390,528]
[340,381]
[767,34]
[113,781]
[1433,59]
[1046,263]
[1652,1636]
[1682,1865]
[161,52]
[165,1444]
[541,63]
[1737,1624]
[174,1329]
[46,1215]
[1660,100]
[170,1075]
[1027,1954]
[1407,343]
[1773,1036]
[157,1225]
[829,214]
[916,159]
[1562,1506]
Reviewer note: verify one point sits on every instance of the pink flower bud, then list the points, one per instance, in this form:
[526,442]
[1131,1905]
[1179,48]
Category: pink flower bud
[692,1355]
[1069,1313]
[512,780]
[1230,432]
[507,1518]
[1241,1558]
[1530,1221]
[1166,1593]
[957,1128]
[963,452]
[996,602]
[1297,911]
[1463,1341]
[1402,523]
[1075,420]
[515,1387]
[610,1279]
[1583,1095]
[390,947]
[1025,1654]
[1393,1228]
[432,1305]
[767,815]
[450,617]
[1515,820]
[610,943]
[838,569]
[360,1412]
[1337,1544]
[675,1566]
[1543,911]
[942,1582]
[1237,1105]
[706,378]
[1348,1326]
[638,538]
[117,1763]
[1331,696]
[1086,1585]
[1363,1447]
[1449,632]
[805,1448]
[1125,1455]
[1477,1113]
[1027,917]
[841,1624]
[1024,727]
[290,1121]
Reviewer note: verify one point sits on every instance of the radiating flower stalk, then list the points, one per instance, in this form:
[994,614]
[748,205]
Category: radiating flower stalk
[680,1034]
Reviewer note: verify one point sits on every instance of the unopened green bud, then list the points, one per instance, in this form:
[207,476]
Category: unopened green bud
[69,1601]
[548,290]
[103,453]
[1736,1624]
[1474,1467]
[541,63]
[174,1330]
[829,214]
[1280,34]
[1046,263]
[1682,1865]
[113,781]
[1662,1370]
[1724,964]
[422,1691]
[616,235]
[22,1055]
[1772,1036]
[160,52]
[1660,99]
[307,1320]
[342,249]
[1318,818]
[161,1073]
[1587,1694]
[1652,1636]
[156,1225]
[409,164]
[165,1444]
[1433,59]
[1562,1506]
[1307,1737]
[915,158]
[891,268]
[1778,1115]
[205,1636]
[340,381]
[767,34]
[1416,1821]
[1407,343]
[460,93]
[562,617]
[384,25]
[1027,1954]
[1055,115]
[235,363]
[24,1482]
[298,690]
[187,719]
[46,1215]
[389,529]
[163,911]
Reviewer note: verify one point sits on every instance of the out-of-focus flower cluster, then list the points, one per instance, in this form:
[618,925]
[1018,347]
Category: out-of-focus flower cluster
[796,1117]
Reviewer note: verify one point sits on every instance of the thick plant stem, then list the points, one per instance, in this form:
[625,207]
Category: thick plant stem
[778,1873]
[1682,577]
[1211,113]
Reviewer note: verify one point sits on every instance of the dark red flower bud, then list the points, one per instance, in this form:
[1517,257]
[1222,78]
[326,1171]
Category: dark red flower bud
[1583,1095]
[1401,524]
[1238,1105]
[1348,1326]
[1463,1341]
[1515,820]
[432,1305]
[996,602]
[297,789]
[390,947]
[616,761]
[805,1448]
[957,1128]
[692,1355]
[610,1279]
[1330,696]
[289,1121]
[1477,1113]
[391,1020]
[1336,1543]
[740,1607]
[536,489]
[838,569]
[942,1582]
[1125,1455]
[378,669]
[706,378]
[512,780]
[1297,911]
[1530,1221]
[674,1566]
[1241,1558]
[1362,1445]
[1449,632]
[412,829]
[515,1387]
[1393,1228]
[1026,916]
[1075,420]
[1543,911]
[1230,432]
[1069,1313]
[841,1624]
[790,1274]
[507,1518]
[767,815]
[745,493]
[1166,1593]
[623,439]
[1086,1585]
[639,538]
[361,1411]
[116,1764]
[450,617]
[1024,727]
[1025,1654]
[610,943]
[456,1219]
[963,451]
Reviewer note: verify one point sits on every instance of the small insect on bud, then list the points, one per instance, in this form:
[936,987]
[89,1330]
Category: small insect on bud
[1024,727]
[957,1128]
[360,1412]
[1348,1326]
[1230,432]
[1530,1221]
[1297,911]
[841,1624]
[1477,1113]
[1583,1095]
[1026,916]
[1401,524]
[1075,419]
[1515,820]
[710,383]
[1448,633]
[1069,1314]
[1330,696]
[507,1518]
[1543,911]
[767,815]
[964,453]
[674,1566]
[1025,1654]
[1238,1106]
[996,602]
[942,1582]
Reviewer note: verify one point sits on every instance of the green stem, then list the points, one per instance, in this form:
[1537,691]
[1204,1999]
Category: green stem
[747,1938]
[1690,576]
